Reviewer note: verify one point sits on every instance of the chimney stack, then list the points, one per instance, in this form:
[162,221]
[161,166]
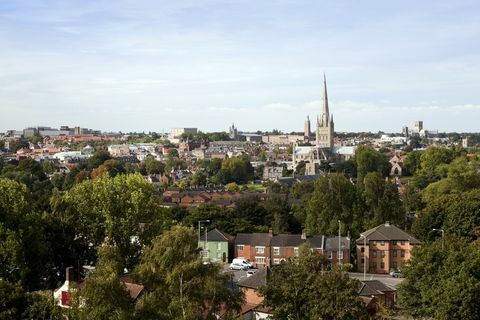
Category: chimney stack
[69,274]
[387,224]
[270,232]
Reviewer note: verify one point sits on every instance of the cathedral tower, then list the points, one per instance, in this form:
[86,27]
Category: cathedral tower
[325,126]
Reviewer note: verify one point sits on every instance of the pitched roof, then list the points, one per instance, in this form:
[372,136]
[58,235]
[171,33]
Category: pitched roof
[257,280]
[331,244]
[287,240]
[217,235]
[386,232]
[373,287]
[254,239]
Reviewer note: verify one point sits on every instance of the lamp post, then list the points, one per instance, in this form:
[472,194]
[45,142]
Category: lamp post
[443,235]
[199,232]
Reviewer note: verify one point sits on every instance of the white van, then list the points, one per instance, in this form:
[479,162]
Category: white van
[244,262]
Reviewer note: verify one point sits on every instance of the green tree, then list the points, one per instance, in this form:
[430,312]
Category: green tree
[179,285]
[304,288]
[442,282]
[412,162]
[114,207]
[98,158]
[333,199]
[154,166]
[236,169]
[104,295]
[368,160]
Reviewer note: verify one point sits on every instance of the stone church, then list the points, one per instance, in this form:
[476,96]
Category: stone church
[324,149]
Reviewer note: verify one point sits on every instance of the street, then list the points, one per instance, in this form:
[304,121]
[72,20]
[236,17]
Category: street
[384,278]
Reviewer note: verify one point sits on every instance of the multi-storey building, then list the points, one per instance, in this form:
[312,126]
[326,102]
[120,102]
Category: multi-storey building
[384,248]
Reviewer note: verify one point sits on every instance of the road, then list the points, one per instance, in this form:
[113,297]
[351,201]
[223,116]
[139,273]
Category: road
[384,278]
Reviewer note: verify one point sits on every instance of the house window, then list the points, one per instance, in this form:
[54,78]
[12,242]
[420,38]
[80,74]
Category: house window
[260,260]
[276,261]
[374,253]
[339,255]
[382,254]
[374,242]
[382,243]
[382,265]
[204,253]
[219,246]
[276,251]
[394,264]
[362,249]
[240,247]
[295,252]
[394,253]
[362,261]
[394,242]
[219,255]
[259,249]
[373,265]
[402,253]
[329,254]
[402,242]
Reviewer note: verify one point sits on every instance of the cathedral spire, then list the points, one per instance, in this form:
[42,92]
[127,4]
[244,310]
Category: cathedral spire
[325,111]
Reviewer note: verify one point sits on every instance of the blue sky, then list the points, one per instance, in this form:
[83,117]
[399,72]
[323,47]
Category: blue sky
[152,65]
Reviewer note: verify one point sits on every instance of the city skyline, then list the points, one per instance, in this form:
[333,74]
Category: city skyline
[144,66]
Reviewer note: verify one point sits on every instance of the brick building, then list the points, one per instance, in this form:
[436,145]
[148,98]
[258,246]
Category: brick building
[387,248]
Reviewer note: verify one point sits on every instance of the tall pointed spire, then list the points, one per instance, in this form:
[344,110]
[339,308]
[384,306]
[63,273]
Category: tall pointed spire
[325,111]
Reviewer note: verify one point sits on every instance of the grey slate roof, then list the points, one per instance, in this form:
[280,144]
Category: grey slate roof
[373,287]
[295,240]
[254,239]
[217,235]
[257,280]
[332,243]
[387,232]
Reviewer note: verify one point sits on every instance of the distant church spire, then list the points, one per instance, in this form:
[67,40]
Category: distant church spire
[325,130]
[325,111]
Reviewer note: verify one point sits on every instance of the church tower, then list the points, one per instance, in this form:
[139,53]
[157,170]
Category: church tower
[325,126]
[306,129]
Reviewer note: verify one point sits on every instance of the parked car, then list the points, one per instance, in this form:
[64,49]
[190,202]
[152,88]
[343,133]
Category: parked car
[237,266]
[251,272]
[243,262]
[396,274]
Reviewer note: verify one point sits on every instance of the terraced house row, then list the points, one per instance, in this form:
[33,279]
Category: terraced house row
[266,249]
[379,250]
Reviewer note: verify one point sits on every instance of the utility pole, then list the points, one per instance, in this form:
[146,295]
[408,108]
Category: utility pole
[339,242]
[364,257]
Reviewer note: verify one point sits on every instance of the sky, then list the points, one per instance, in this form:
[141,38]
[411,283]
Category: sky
[149,65]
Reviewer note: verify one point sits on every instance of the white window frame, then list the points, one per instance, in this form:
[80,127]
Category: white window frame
[260,260]
[219,246]
[259,249]
[240,247]
[276,251]
[296,251]
[340,255]
[204,253]
[276,261]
